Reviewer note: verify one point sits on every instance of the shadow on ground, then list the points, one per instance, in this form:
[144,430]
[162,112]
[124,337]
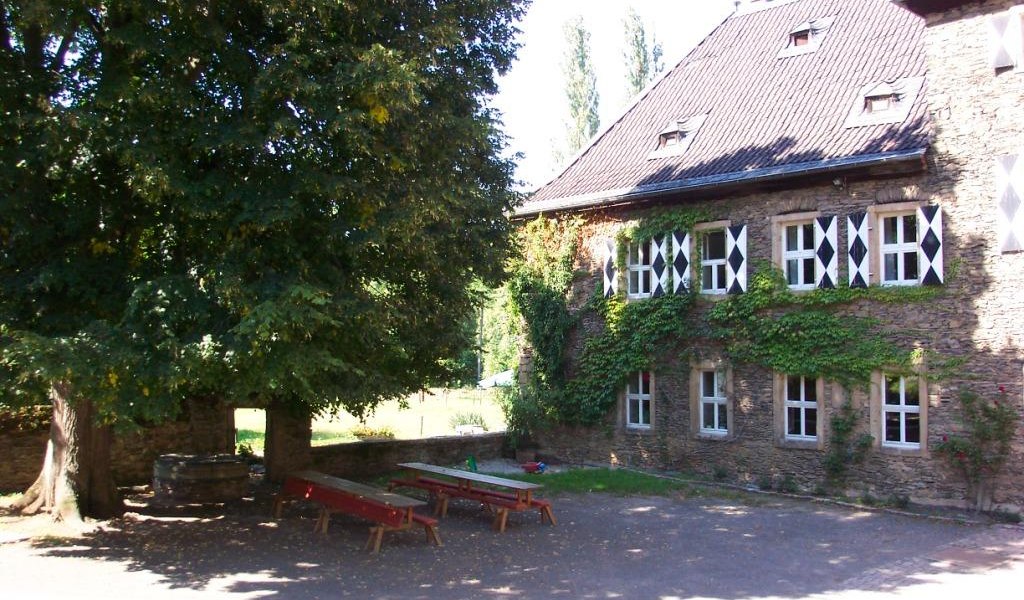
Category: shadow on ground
[603,547]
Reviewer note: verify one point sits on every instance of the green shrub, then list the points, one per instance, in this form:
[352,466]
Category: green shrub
[467,418]
[365,432]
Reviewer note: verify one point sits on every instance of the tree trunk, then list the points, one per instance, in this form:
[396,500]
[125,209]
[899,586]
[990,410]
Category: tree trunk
[75,480]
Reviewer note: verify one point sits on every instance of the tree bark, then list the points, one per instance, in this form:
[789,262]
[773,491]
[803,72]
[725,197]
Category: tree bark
[75,480]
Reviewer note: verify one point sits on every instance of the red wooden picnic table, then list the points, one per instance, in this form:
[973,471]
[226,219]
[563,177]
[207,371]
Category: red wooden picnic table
[513,495]
[391,511]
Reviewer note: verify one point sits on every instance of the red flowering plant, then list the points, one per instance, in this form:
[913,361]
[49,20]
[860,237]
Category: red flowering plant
[979,452]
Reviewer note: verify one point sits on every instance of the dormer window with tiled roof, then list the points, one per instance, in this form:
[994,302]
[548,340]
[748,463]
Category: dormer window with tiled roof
[677,136]
[881,99]
[807,37]
[884,102]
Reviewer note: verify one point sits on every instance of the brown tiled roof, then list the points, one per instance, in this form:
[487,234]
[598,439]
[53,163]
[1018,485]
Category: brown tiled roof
[767,116]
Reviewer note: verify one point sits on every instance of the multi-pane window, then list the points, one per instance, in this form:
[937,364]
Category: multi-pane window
[798,255]
[638,400]
[712,262]
[638,269]
[899,249]
[714,412]
[801,405]
[901,412]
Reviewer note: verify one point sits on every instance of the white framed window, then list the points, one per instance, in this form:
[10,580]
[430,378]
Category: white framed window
[714,407]
[713,262]
[639,270]
[801,408]
[901,412]
[638,400]
[898,248]
[798,255]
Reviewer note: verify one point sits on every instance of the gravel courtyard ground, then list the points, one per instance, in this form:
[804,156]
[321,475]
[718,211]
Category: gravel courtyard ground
[603,547]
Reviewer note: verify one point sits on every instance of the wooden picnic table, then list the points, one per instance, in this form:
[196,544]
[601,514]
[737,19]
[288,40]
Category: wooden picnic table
[513,495]
[391,511]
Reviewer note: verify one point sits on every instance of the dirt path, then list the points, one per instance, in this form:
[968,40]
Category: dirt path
[603,547]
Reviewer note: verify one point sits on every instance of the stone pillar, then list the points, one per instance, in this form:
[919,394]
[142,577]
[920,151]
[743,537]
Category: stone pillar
[208,419]
[286,447]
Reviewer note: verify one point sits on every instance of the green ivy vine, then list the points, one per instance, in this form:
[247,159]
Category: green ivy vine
[769,325]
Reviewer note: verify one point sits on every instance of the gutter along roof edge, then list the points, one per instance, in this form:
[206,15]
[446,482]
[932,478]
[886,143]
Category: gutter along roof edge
[775,173]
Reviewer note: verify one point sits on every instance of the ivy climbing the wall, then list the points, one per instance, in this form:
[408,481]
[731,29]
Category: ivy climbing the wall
[800,334]
[769,325]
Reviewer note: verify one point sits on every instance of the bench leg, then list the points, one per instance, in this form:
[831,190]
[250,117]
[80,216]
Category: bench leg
[545,511]
[278,506]
[323,521]
[432,535]
[376,537]
[501,519]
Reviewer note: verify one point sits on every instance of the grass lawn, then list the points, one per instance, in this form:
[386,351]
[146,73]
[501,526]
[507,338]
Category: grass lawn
[427,416]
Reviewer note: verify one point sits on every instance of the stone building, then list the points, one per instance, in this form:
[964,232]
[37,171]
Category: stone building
[848,145]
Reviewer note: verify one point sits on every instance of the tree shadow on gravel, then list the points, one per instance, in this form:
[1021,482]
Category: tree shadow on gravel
[603,546]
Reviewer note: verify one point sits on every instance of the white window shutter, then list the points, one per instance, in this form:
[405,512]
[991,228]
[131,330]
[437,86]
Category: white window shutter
[826,252]
[1009,187]
[611,279]
[736,259]
[1005,40]
[659,266]
[857,249]
[680,262]
[929,253]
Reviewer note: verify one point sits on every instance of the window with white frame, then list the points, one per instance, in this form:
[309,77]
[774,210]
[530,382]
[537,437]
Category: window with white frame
[801,408]
[714,411]
[638,401]
[713,261]
[901,412]
[798,255]
[638,270]
[898,248]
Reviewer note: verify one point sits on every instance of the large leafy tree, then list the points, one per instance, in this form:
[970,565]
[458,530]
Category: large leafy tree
[280,201]
[642,56]
[580,86]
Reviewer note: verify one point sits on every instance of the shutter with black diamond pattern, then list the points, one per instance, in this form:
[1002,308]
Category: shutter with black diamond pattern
[1004,40]
[857,249]
[680,262]
[1009,191]
[929,232]
[736,259]
[826,256]
[659,266]
[611,284]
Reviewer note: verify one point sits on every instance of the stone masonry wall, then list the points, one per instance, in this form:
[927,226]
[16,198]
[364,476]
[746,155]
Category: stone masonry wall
[375,457]
[205,428]
[977,318]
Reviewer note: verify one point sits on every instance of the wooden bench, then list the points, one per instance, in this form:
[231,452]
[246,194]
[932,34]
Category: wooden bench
[390,512]
[440,490]
[470,485]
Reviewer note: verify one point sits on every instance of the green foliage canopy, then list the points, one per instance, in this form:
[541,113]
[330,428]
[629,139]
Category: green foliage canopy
[257,199]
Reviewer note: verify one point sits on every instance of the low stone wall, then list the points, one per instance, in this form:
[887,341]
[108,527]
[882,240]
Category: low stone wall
[206,428]
[22,458]
[375,457]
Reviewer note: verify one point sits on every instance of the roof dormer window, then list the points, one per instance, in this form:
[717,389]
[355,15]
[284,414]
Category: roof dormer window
[800,38]
[677,136]
[671,138]
[880,103]
[884,102]
[807,37]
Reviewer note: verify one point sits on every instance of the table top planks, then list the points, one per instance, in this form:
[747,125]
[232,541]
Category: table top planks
[358,489]
[471,476]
